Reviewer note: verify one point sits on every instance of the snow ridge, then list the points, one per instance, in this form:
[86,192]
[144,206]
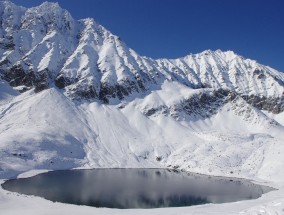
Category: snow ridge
[44,46]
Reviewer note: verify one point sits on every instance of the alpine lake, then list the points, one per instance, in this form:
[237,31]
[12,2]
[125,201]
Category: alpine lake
[135,188]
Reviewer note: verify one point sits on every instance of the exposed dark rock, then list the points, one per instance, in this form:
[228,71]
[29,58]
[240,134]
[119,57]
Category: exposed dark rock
[271,104]
[41,82]
[89,93]
[141,85]
[16,76]
[40,86]
[125,88]
[163,109]
[7,46]
[204,104]
[259,74]
[105,92]
[62,82]
[7,43]
[158,158]
[205,85]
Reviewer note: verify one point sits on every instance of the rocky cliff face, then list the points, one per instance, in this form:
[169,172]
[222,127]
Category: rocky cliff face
[45,47]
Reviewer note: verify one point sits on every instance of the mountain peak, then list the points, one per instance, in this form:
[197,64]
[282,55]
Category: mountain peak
[49,8]
[45,46]
[50,4]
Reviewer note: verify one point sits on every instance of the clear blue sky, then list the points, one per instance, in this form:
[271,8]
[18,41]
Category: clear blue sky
[175,28]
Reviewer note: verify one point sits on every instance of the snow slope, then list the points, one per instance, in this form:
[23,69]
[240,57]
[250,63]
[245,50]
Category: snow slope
[39,131]
[73,95]
[47,129]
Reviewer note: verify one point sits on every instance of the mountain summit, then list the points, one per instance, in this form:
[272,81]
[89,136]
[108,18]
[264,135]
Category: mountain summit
[44,46]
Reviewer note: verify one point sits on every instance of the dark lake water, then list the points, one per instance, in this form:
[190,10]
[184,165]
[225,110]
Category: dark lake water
[134,188]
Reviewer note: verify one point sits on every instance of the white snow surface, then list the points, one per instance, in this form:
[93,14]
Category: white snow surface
[32,173]
[48,130]
[36,129]
[47,40]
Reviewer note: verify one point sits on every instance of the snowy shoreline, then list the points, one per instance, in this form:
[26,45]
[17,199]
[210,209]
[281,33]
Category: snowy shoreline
[269,203]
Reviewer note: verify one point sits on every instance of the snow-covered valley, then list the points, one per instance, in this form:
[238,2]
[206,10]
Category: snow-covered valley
[48,131]
[98,104]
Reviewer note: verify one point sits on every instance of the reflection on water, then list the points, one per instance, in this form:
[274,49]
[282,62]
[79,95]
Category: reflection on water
[134,188]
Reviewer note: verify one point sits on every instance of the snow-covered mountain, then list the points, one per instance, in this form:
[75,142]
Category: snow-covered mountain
[44,46]
[74,95]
